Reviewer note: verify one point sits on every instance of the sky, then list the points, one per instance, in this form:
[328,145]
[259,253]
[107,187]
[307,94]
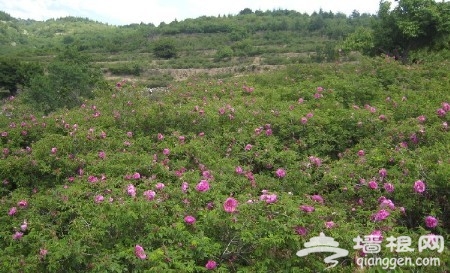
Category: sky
[119,12]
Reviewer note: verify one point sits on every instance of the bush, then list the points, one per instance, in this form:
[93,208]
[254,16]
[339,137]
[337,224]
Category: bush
[165,48]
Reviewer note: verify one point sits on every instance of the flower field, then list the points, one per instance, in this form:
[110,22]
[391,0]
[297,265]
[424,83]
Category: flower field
[232,174]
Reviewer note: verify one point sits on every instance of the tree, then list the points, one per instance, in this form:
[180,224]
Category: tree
[69,80]
[165,48]
[411,25]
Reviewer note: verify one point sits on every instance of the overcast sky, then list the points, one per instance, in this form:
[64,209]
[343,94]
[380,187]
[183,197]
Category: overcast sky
[118,12]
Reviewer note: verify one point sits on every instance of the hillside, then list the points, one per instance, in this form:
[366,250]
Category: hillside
[225,144]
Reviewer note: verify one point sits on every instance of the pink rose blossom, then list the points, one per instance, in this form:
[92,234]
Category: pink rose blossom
[92,179]
[317,198]
[12,211]
[431,222]
[304,120]
[301,230]
[419,186]
[54,150]
[329,224]
[239,170]
[102,154]
[380,215]
[361,153]
[248,147]
[136,175]
[211,265]
[421,119]
[190,220]
[131,190]
[43,252]
[230,205]
[139,252]
[382,172]
[389,187]
[202,186]
[373,184]
[22,203]
[160,186]
[280,173]
[306,208]
[99,198]
[184,187]
[150,194]
[18,235]
[166,151]
[268,198]
[24,226]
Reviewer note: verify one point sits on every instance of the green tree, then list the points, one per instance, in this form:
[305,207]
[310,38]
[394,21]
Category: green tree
[411,25]
[165,48]
[224,53]
[15,74]
[69,79]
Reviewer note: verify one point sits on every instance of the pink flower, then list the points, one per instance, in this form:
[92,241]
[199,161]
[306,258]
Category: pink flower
[211,265]
[102,154]
[300,100]
[269,132]
[306,208]
[419,186]
[22,203]
[269,198]
[54,150]
[380,215]
[446,106]
[431,222]
[373,184]
[230,205]
[131,190]
[43,252]
[319,89]
[184,187]
[315,160]
[387,203]
[248,147]
[159,186]
[92,179]
[17,235]
[136,175]
[239,170]
[361,153]
[160,136]
[129,134]
[139,252]
[280,173]
[24,226]
[301,230]
[389,187]
[12,211]
[166,151]
[309,115]
[98,198]
[441,112]
[202,186]
[421,119]
[329,224]
[150,194]
[190,220]
[304,120]
[317,198]
[377,236]
[382,172]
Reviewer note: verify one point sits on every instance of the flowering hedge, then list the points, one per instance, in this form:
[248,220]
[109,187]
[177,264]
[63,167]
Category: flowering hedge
[228,174]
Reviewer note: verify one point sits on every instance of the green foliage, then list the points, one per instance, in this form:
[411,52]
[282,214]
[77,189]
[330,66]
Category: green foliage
[224,53]
[411,25]
[165,48]
[74,169]
[69,80]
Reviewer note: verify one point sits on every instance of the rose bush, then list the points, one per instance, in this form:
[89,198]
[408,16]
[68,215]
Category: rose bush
[211,176]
